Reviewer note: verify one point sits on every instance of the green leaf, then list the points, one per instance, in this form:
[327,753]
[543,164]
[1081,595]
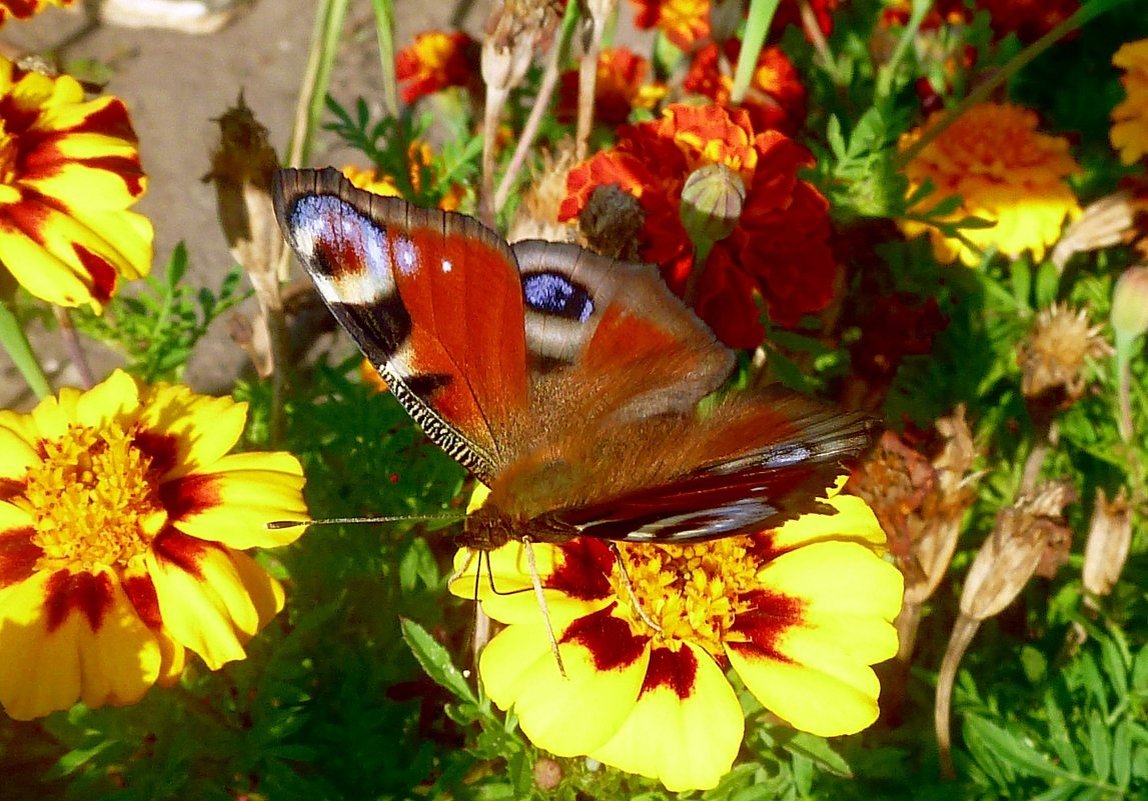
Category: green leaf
[1059,735]
[436,661]
[1047,284]
[1100,744]
[1122,755]
[1011,750]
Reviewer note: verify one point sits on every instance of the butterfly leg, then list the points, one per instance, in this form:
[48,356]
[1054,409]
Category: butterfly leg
[638,610]
[536,580]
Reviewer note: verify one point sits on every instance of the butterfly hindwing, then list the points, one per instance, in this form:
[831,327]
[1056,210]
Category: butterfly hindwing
[432,298]
[753,464]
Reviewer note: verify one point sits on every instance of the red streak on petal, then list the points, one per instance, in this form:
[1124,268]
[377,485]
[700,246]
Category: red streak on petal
[162,449]
[128,169]
[771,615]
[112,120]
[17,118]
[611,643]
[189,495]
[585,570]
[141,592]
[90,594]
[181,550]
[677,670]
[18,555]
[100,269]
[10,488]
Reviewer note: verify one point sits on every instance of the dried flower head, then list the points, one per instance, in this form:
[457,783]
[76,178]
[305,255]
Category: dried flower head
[537,215]
[1011,554]
[1109,540]
[1053,357]
[1103,223]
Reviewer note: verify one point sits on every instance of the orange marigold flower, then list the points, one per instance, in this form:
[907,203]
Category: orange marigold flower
[684,22]
[621,86]
[26,9]
[69,171]
[1129,132]
[122,519]
[776,98]
[435,61]
[778,250]
[646,638]
[1004,171]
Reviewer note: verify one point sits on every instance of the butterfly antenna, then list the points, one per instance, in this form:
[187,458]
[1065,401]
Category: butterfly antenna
[331,521]
[637,607]
[538,594]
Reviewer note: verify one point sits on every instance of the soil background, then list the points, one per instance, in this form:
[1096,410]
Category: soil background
[175,85]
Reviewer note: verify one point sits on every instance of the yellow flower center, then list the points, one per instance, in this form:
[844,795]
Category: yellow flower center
[690,592]
[94,499]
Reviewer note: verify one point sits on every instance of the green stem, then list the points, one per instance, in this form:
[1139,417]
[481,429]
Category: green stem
[317,78]
[756,26]
[908,36]
[1085,14]
[15,342]
[385,28]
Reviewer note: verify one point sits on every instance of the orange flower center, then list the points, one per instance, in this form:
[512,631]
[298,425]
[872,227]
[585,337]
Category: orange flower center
[690,592]
[93,500]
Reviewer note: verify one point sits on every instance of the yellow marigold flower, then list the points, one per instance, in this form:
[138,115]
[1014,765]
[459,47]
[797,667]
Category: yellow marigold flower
[26,9]
[371,180]
[121,516]
[654,699]
[1129,132]
[69,170]
[1004,171]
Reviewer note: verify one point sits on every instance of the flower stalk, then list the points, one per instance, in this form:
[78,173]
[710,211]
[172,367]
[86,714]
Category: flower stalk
[15,342]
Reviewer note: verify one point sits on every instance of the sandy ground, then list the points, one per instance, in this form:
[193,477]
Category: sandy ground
[175,84]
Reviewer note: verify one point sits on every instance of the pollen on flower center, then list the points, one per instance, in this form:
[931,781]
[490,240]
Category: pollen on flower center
[691,592]
[93,499]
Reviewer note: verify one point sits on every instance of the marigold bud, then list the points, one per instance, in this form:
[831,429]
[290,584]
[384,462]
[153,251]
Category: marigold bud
[1109,539]
[1130,303]
[547,774]
[712,200]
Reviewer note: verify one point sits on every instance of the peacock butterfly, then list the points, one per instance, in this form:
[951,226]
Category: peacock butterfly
[567,382]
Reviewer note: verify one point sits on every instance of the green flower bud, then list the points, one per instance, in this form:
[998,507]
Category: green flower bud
[712,200]
[1130,303]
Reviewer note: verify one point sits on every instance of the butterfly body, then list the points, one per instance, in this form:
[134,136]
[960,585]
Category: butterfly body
[569,383]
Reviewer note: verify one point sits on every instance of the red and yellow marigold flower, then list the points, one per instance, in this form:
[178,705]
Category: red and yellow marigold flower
[621,86]
[1004,171]
[778,249]
[654,699]
[122,523]
[69,171]
[684,23]
[776,97]
[434,61]
[26,9]
[1130,117]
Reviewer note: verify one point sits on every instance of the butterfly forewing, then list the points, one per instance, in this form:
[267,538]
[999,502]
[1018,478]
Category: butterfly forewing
[433,299]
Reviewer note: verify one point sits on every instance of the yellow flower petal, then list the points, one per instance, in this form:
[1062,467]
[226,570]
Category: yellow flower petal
[806,697]
[205,428]
[570,715]
[115,398]
[48,665]
[234,504]
[506,590]
[203,599]
[853,519]
[688,743]
[16,454]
